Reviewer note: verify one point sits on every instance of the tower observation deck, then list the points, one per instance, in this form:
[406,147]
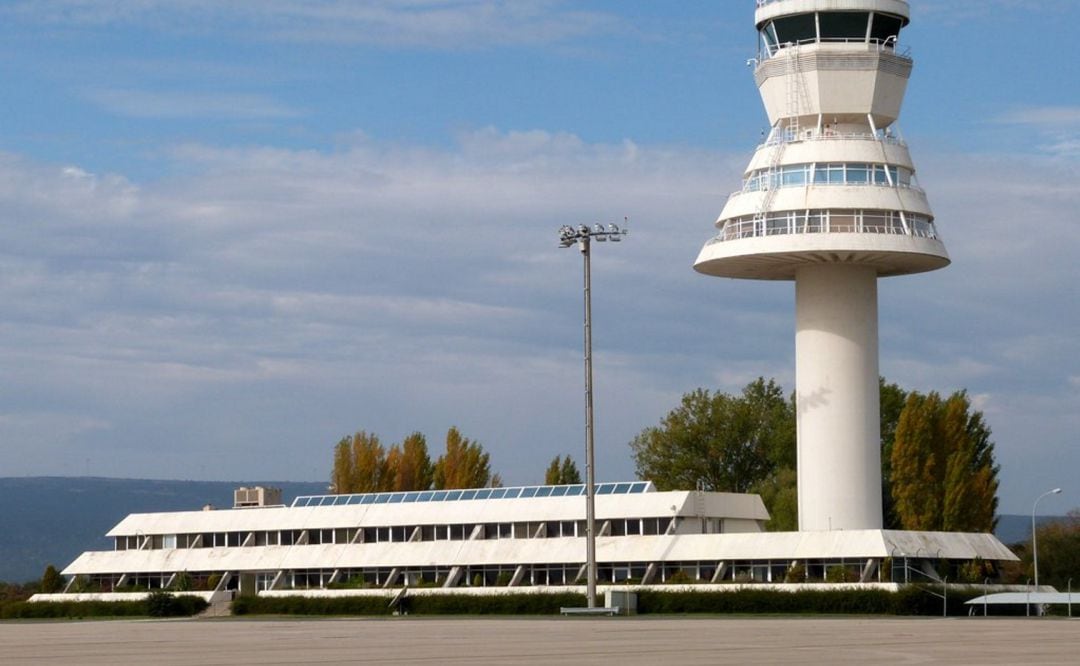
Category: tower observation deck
[830,200]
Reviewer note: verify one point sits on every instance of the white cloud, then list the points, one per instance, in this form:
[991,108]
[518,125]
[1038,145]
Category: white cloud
[424,23]
[1049,116]
[1058,127]
[387,287]
[954,11]
[188,104]
[269,301]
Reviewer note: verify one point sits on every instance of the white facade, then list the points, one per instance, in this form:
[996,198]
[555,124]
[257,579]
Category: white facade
[525,538]
[830,201]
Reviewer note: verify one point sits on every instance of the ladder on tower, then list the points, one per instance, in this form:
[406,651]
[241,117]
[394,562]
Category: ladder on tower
[785,130]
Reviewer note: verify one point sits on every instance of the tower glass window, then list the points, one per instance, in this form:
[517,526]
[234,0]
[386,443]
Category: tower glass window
[768,39]
[796,29]
[885,26]
[843,26]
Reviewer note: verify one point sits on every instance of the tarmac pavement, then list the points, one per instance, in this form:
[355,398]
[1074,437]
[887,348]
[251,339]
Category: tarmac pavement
[483,641]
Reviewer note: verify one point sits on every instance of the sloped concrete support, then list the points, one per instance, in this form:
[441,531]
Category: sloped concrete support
[454,577]
[395,573]
[721,570]
[279,580]
[869,571]
[650,573]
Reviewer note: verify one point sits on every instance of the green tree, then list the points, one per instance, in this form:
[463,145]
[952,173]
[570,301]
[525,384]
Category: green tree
[943,474]
[568,471]
[892,399]
[51,581]
[465,464]
[718,441]
[780,494]
[562,472]
[1059,552]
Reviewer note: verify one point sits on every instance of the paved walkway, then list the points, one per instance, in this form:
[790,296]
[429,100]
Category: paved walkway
[565,641]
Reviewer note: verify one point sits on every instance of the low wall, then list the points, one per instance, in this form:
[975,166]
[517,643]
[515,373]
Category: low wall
[578,589]
[113,596]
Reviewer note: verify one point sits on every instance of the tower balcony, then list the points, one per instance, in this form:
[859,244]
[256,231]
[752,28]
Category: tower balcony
[773,246]
[868,196]
[794,134]
[807,145]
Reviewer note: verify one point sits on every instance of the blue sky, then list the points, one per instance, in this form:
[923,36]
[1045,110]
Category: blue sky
[232,233]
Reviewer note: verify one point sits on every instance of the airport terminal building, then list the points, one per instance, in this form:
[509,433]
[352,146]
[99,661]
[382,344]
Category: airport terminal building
[521,537]
[829,201]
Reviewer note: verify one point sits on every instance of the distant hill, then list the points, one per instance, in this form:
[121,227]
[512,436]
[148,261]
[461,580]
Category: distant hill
[1016,528]
[51,520]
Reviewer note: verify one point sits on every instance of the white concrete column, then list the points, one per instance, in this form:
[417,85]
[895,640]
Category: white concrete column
[836,378]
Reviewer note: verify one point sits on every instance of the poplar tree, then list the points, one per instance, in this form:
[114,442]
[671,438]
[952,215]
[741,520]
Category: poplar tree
[362,465]
[343,476]
[51,580]
[410,465]
[562,472]
[943,471]
[371,472]
[892,399]
[465,464]
[568,471]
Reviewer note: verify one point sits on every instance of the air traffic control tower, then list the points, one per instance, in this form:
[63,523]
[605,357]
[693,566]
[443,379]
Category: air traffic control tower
[830,201]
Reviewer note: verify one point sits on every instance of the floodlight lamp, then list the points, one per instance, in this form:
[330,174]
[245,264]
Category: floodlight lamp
[566,236]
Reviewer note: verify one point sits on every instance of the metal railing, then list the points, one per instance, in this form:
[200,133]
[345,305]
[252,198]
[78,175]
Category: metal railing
[889,45]
[751,228]
[780,186]
[814,134]
[762,3]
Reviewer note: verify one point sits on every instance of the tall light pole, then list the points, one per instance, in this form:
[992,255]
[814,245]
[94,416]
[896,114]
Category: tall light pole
[1035,534]
[582,236]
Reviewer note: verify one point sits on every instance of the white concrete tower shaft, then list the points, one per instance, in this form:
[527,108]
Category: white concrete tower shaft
[830,201]
[836,384]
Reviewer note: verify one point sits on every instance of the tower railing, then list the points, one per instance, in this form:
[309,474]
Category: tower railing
[751,227]
[781,186]
[762,3]
[887,45]
[827,134]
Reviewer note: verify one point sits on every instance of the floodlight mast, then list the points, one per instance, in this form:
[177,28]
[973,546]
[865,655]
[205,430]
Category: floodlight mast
[582,237]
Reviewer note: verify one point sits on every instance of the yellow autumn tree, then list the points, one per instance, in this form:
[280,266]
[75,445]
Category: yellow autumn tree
[410,465]
[465,464]
[943,471]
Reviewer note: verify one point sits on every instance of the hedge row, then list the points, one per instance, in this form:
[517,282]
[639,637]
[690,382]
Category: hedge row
[156,605]
[441,604]
[909,601]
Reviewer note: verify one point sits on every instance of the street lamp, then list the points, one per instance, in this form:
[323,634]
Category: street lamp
[1035,535]
[582,236]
